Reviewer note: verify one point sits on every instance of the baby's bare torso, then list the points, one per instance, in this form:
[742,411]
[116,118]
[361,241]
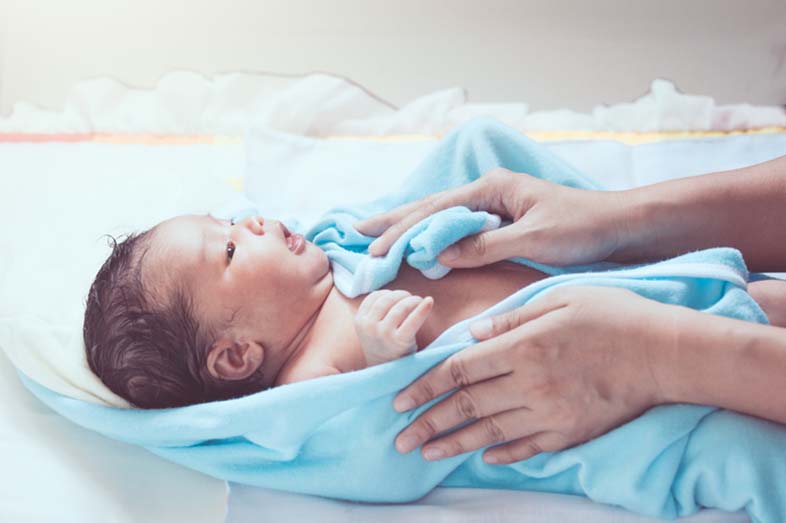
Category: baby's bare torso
[461,294]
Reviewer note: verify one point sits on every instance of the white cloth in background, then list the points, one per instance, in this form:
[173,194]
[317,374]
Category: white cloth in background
[322,105]
[446,505]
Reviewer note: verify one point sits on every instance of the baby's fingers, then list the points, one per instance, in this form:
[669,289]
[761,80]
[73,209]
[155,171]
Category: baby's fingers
[368,302]
[399,312]
[386,300]
[416,318]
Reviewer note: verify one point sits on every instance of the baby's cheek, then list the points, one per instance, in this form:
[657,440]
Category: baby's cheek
[325,262]
[308,267]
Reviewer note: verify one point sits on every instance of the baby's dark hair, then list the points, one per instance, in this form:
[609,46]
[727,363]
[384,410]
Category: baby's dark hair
[147,349]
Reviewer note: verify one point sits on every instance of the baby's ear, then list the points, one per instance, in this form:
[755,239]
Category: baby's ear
[234,359]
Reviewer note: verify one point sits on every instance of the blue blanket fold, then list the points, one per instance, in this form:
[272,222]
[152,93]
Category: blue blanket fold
[333,436]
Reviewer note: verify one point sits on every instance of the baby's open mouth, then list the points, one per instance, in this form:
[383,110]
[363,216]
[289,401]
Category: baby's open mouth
[295,242]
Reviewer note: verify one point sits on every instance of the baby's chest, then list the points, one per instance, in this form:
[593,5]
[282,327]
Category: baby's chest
[463,293]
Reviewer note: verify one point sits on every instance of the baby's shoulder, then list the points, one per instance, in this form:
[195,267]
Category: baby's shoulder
[305,372]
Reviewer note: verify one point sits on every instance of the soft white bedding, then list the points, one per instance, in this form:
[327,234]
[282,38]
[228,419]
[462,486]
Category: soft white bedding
[447,505]
[184,102]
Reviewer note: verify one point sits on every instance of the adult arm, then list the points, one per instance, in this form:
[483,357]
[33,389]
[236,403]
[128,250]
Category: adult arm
[556,373]
[725,362]
[744,208]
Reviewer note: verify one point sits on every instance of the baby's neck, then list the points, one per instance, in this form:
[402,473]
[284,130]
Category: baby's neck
[327,343]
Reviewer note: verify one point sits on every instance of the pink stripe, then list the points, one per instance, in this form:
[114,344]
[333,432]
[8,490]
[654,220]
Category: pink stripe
[38,138]
[150,139]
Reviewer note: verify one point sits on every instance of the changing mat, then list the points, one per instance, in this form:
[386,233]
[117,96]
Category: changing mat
[666,463]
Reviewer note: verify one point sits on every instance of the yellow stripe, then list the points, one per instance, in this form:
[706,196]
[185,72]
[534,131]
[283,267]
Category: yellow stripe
[628,137]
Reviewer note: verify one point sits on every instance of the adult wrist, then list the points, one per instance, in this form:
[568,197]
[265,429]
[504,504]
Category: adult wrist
[661,355]
[656,224]
[666,356]
[703,354]
[633,219]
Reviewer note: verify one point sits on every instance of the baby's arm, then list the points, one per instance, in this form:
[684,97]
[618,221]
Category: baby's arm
[387,322]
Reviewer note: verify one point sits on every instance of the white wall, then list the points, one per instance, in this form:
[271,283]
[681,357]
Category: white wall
[562,53]
[3,48]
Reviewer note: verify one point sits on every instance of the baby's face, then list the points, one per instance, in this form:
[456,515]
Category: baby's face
[243,274]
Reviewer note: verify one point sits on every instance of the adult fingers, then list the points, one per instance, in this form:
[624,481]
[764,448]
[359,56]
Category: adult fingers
[526,447]
[470,195]
[501,323]
[486,247]
[490,430]
[376,225]
[480,400]
[476,363]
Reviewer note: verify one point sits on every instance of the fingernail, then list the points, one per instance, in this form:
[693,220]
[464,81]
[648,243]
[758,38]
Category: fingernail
[450,254]
[433,453]
[491,459]
[403,404]
[406,444]
[482,328]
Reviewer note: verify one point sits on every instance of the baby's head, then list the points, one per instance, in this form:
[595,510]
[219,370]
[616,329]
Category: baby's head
[198,309]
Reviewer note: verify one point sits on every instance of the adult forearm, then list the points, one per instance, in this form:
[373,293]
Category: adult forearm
[744,208]
[724,362]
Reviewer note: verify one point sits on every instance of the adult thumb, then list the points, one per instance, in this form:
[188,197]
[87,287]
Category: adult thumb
[482,249]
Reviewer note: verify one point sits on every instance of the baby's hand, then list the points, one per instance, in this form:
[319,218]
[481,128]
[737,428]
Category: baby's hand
[387,322]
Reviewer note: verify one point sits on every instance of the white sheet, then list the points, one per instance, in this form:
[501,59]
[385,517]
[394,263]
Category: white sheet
[53,470]
[447,505]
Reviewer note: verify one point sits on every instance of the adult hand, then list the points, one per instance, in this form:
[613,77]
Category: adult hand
[552,224]
[554,373]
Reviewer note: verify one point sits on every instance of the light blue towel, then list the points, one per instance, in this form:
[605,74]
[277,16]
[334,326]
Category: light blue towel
[333,436]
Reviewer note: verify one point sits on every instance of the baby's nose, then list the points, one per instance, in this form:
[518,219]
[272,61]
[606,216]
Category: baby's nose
[254,223]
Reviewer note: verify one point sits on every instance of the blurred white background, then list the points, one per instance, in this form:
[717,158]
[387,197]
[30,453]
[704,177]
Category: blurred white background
[562,53]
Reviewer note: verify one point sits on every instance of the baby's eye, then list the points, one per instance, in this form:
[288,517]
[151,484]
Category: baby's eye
[230,250]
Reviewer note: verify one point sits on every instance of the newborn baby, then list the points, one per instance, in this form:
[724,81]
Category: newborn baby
[199,309]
